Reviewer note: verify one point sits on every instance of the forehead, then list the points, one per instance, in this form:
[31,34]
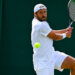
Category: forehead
[41,10]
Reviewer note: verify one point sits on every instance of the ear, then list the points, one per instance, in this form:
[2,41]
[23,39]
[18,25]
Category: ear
[35,14]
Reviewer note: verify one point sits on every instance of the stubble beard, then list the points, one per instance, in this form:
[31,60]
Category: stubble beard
[42,19]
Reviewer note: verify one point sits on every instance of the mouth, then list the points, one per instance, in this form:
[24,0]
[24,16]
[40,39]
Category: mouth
[43,17]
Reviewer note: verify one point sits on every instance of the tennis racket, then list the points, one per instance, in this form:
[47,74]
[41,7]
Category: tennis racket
[71,8]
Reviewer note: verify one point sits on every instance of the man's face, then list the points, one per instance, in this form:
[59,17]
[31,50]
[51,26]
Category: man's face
[41,15]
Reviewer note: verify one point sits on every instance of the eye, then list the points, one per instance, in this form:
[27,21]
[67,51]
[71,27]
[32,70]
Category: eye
[40,12]
[45,11]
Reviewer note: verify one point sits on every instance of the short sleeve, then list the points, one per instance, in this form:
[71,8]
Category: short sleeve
[45,29]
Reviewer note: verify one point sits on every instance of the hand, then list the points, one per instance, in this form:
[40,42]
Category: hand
[69,29]
[68,34]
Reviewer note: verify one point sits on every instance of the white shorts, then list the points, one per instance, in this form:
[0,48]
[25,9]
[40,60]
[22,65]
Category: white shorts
[57,60]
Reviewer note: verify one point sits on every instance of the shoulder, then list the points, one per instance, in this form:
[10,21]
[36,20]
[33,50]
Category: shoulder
[36,23]
[44,24]
[39,24]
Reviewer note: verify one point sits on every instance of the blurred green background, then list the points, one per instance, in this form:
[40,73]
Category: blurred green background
[15,34]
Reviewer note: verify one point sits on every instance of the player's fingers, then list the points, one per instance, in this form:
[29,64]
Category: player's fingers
[69,36]
[69,31]
[69,28]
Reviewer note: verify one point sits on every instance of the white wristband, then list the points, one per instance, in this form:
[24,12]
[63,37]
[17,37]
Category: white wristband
[63,35]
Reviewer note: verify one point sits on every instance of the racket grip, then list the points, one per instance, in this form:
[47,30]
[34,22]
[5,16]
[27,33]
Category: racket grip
[70,26]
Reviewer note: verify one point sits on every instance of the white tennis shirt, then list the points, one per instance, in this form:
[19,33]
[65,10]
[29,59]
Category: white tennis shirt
[42,55]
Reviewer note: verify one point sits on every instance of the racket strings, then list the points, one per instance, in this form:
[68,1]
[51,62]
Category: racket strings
[72,10]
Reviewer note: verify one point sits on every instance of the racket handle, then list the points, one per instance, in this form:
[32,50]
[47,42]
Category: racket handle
[70,26]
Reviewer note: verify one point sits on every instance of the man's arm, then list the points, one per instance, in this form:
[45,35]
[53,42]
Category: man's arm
[62,31]
[54,35]
[59,34]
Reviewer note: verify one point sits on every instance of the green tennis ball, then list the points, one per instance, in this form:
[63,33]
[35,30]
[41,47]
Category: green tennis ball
[37,45]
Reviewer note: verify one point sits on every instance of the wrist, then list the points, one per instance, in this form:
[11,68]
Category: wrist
[63,35]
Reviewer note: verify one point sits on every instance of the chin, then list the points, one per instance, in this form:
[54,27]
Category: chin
[44,19]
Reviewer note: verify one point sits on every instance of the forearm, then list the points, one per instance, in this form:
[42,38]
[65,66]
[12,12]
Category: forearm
[59,34]
[55,36]
[60,31]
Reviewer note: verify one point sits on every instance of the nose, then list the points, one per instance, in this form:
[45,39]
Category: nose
[44,14]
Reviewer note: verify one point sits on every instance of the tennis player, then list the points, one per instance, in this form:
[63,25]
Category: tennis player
[45,58]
